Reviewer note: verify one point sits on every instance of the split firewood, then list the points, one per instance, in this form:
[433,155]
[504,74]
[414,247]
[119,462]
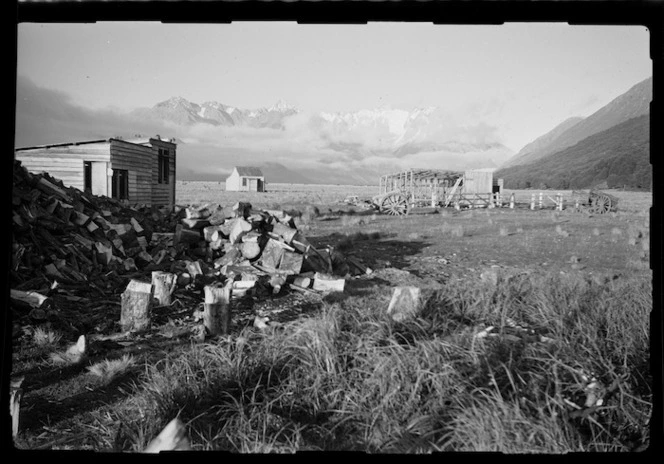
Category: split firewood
[185,236]
[172,438]
[51,189]
[406,302]
[217,309]
[211,233]
[195,224]
[241,209]
[231,257]
[15,395]
[291,263]
[194,269]
[34,299]
[250,250]
[136,306]
[136,225]
[164,285]
[272,254]
[285,232]
[197,213]
[328,283]
[216,244]
[240,228]
[304,282]
[104,253]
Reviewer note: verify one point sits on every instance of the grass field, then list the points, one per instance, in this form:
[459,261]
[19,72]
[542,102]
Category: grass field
[344,376]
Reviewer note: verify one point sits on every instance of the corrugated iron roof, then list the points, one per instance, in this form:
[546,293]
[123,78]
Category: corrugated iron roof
[249,171]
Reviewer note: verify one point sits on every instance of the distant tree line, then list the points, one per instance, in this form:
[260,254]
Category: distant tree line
[615,158]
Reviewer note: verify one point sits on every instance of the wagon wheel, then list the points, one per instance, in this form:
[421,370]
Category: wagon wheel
[601,204]
[395,205]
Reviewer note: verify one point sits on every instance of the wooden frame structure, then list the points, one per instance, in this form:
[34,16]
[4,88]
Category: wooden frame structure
[398,192]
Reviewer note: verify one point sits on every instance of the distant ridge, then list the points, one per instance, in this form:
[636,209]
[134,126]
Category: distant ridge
[633,103]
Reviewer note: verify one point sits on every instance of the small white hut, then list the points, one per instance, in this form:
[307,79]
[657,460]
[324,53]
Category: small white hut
[246,179]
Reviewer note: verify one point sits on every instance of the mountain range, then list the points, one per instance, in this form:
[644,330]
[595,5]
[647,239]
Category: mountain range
[610,147]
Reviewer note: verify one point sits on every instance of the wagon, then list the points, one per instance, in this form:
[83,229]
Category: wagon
[394,203]
[402,191]
[595,201]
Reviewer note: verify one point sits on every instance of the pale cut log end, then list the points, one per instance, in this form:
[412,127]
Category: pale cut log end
[172,438]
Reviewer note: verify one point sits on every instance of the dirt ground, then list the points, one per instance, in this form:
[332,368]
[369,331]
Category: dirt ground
[424,249]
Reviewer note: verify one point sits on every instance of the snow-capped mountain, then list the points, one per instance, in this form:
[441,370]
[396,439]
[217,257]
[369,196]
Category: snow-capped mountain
[180,111]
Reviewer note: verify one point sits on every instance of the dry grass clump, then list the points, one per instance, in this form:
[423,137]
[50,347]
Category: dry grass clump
[596,232]
[616,231]
[45,337]
[352,220]
[350,378]
[504,231]
[107,370]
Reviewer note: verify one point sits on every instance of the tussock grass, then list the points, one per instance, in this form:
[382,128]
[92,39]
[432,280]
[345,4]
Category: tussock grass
[45,337]
[108,370]
[350,378]
[504,231]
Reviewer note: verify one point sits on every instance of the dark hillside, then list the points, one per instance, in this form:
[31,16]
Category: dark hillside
[618,156]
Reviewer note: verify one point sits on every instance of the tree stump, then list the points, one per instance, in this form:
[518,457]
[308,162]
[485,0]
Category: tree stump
[136,306]
[217,310]
[164,285]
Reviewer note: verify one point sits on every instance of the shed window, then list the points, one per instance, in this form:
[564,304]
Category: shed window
[244,182]
[120,186]
[164,166]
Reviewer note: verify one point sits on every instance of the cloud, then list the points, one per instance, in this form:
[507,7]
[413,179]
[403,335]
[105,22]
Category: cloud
[363,147]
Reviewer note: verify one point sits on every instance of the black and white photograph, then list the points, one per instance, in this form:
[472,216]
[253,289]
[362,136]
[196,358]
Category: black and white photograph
[272,237]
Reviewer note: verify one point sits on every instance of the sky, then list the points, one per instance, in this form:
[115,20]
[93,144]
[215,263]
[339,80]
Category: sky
[521,78]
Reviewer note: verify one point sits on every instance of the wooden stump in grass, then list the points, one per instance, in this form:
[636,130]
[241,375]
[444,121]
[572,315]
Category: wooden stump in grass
[172,438]
[406,303]
[164,284]
[217,309]
[136,306]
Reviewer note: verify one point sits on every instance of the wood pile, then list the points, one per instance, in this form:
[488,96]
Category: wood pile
[64,237]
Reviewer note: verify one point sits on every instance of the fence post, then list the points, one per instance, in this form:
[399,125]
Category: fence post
[512,201]
[532,201]
[541,200]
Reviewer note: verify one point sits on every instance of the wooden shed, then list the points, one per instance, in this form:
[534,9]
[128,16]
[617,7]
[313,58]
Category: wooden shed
[478,181]
[246,179]
[140,171]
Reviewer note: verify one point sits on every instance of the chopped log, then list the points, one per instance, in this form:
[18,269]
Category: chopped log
[51,189]
[276,281]
[250,250]
[291,263]
[104,253]
[120,229]
[216,244]
[172,438]
[240,228]
[135,224]
[184,279]
[217,309]
[211,233]
[405,303]
[52,271]
[285,232]
[129,264]
[15,395]
[272,254]
[163,238]
[136,306]
[197,213]
[328,283]
[195,224]
[185,236]
[142,242]
[217,217]
[304,282]
[231,257]
[303,290]
[34,299]
[241,209]
[194,269]
[164,285]
[80,219]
